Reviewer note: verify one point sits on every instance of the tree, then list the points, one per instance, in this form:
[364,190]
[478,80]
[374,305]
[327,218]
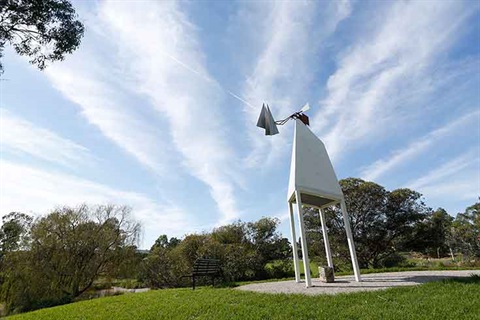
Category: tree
[267,241]
[68,250]
[44,30]
[162,242]
[432,235]
[174,241]
[73,246]
[231,233]
[405,210]
[382,222]
[14,232]
[366,204]
[14,235]
[316,247]
[163,268]
[244,249]
[190,247]
[126,264]
[466,232]
[168,261]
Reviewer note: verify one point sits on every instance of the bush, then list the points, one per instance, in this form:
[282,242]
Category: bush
[240,263]
[23,289]
[280,269]
[394,260]
[157,269]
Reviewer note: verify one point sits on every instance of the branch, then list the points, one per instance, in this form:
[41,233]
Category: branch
[24,30]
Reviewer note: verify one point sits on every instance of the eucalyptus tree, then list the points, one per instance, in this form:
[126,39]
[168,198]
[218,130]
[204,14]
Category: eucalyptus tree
[43,30]
[382,222]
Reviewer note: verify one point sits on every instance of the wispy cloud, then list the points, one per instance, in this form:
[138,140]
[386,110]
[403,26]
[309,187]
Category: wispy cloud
[454,180]
[469,159]
[20,136]
[93,79]
[45,190]
[364,93]
[84,81]
[418,146]
[285,67]
[167,66]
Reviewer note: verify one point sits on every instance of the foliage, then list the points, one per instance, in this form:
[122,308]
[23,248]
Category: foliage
[429,301]
[247,247]
[163,242]
[465,232]
[157,269]
[125,264]
[75,245]
[280,269]
[382,222]
[242,248]
[267,242]
[230,233]
[44,30]
[14,232]
[190,247]
[68,250]
[432,235]
[14,235]
[386,223]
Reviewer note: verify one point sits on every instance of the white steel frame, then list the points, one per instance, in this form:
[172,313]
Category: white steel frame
[303,239]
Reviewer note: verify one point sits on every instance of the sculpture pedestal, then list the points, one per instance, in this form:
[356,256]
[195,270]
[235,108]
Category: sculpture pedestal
[326,274]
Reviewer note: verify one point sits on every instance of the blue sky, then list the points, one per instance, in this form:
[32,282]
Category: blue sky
[157,109]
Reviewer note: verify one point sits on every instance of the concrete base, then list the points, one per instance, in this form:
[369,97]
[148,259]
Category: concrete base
[344,284]
[326,274]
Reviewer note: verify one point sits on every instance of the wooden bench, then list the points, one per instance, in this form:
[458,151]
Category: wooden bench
[205,268]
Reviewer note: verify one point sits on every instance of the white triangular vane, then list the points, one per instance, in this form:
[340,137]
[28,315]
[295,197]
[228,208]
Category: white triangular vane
[261,118]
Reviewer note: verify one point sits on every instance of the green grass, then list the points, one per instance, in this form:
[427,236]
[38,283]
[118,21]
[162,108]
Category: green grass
[450,299]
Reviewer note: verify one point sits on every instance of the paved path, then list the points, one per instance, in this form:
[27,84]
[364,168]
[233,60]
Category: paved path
[376,281]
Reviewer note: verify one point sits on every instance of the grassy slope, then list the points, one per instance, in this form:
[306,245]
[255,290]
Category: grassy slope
[451,299]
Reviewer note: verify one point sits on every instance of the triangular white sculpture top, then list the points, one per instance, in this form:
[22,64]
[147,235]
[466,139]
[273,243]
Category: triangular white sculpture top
[311,172]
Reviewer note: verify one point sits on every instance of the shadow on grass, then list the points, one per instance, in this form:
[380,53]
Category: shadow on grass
[415,279]
[473,279]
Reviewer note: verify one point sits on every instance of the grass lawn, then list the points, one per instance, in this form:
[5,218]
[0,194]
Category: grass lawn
[450,299]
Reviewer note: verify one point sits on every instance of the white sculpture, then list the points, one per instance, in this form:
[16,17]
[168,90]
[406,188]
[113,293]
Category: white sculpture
[313,183]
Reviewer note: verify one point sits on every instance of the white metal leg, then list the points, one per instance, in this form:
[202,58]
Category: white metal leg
[306,261]
[325,238]
[294,244]
[351,245]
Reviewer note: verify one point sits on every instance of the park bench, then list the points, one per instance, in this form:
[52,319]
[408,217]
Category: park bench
[205,268]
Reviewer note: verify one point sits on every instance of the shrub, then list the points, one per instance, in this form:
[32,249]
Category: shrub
[394,260]
[280,269]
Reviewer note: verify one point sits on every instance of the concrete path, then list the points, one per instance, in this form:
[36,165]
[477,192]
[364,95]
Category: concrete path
[343,284]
